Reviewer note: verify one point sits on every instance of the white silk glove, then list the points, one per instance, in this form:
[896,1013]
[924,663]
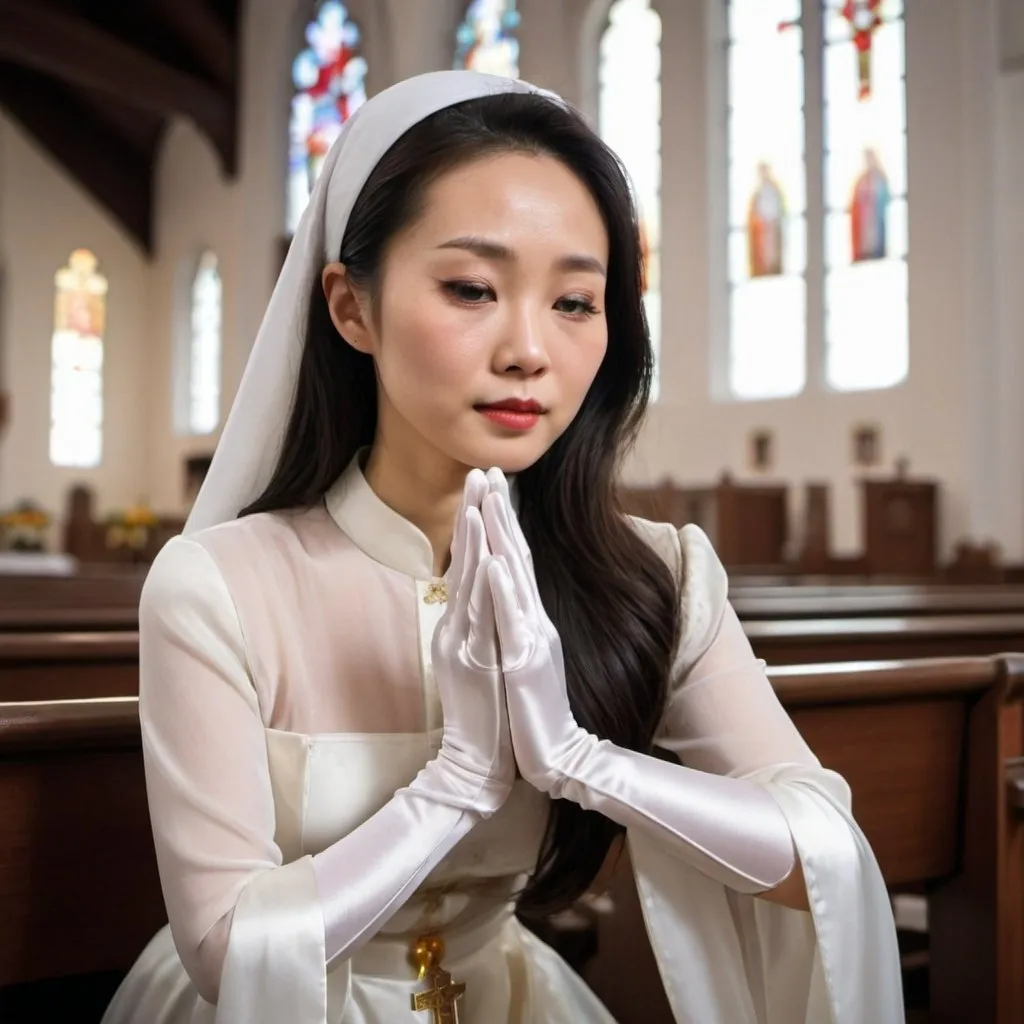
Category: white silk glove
[730,829]
[476,746]
[365,877]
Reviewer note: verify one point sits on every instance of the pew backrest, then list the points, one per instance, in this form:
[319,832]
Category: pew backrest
[68,665]
[78,883]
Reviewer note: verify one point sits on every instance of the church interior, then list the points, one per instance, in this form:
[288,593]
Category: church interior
[838,405]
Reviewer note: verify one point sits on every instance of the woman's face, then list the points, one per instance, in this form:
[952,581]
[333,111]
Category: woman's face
[491,325]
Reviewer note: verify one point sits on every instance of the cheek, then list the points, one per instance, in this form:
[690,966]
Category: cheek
[581,363]
[426,358]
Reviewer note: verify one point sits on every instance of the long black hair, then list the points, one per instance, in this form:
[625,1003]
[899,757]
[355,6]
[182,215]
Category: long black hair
[612,599]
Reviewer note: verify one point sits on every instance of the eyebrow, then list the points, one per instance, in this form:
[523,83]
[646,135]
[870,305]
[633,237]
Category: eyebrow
[489,250]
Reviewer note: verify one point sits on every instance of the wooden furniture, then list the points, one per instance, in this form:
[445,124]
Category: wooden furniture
[900,526]
[804,641]
[816,547]
[934,754]
[753,603]
[747,523]
[68,666]
[933,751]
[78,664]
[90,540]
[95,598]
[78,883]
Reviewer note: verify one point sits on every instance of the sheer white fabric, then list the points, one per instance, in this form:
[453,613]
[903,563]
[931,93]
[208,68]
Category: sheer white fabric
[258,757]
[840,963]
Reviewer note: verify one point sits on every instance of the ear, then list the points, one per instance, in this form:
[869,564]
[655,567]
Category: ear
[349,307]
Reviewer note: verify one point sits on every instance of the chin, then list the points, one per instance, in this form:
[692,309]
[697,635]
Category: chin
[510,456]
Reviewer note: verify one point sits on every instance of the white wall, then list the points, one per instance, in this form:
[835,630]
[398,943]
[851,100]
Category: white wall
[44,215]
[196,210]
[958,418]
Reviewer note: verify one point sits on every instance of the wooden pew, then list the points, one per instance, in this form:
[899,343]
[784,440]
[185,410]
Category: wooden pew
[811,602]
[79,665]
[934,754]
[68,666]
[104,598]
[808,641]
[79,894]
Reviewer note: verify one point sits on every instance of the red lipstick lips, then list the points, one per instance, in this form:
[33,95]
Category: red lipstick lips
[515,405]
[516,414]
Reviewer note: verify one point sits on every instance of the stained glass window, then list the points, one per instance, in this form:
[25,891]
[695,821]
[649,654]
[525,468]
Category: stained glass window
[76,376]
[629,120]
[329,76]
[866,315]
[205,347]
[767,250]
[859,212]
[486,40]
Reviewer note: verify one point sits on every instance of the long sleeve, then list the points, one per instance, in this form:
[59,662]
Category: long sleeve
[838,965]
[255,934]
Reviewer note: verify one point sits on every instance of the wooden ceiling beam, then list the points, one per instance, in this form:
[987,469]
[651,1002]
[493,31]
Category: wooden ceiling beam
[112,171]
[205,36]
[70,49]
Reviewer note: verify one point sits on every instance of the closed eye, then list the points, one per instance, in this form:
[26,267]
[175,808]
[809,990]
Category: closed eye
[472,293]
[576,306]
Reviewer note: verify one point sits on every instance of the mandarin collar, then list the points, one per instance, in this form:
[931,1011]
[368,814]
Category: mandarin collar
[376,528]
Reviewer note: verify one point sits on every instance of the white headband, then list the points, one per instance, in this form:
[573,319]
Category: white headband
[251,440]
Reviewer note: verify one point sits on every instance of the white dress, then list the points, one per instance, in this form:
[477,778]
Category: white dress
[286,693]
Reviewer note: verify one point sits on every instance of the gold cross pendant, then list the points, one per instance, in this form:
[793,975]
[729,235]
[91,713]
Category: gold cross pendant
[442,995]
[441,998]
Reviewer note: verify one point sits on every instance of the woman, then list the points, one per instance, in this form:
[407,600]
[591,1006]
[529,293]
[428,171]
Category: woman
[360,758]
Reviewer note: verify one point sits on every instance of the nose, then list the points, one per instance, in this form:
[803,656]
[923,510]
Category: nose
[523,351]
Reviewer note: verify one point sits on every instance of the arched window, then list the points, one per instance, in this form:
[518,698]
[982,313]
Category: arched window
[866,315]
[204,352]
[486,40]
[858,211]
[629,120]
[329,76]
[76,392]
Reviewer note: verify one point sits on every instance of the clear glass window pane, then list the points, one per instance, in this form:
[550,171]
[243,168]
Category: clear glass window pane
[205,347]
[486,40]
[866,325]
[767,355]
[767,200]
[629,119]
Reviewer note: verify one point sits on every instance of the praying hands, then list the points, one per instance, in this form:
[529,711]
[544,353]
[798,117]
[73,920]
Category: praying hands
[730,829]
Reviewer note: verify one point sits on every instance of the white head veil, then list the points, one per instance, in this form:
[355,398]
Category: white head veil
[250,443]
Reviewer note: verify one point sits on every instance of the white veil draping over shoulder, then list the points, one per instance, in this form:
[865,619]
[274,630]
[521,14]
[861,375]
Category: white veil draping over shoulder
[250,443]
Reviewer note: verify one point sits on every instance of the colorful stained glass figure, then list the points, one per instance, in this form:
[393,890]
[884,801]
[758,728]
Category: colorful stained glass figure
[869,208]
[765,224]
[486,40]
[76,376]
[205,347]
[329,76]
[864,17]
[629,121]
